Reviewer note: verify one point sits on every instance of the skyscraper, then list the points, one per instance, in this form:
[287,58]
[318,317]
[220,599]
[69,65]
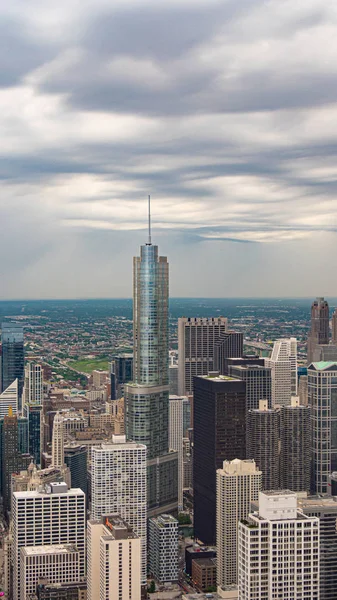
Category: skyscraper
[258,383]
[295,454]
[147,398]
[33,413]
[75,457]
[58,441]
[263,434]
[12,461]
[283,363]
[176,434]
[33,384]
[278,549]
[219,418]
[334,326]
[197,339]
[9,398]
[164,548]
[230,345]
[237,485]
[121,370]
[12,363]
[322,398]
[118,485]
[319,331]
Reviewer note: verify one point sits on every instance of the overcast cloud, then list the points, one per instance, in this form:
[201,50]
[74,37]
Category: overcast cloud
[226,112]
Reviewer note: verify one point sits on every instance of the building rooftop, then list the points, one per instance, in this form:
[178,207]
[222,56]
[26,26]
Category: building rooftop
[219,377]
[324,365]
[205,562]
[163,520]
[278,492]
[53,549]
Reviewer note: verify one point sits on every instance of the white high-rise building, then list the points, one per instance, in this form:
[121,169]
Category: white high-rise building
[119,486]
[238,484]
[33,387]
[176,435]
[197,339]
[55,515]
[283,363]
[114,560]
[9,398]
[56,563]
[164,548]
[58,441]
[278,551]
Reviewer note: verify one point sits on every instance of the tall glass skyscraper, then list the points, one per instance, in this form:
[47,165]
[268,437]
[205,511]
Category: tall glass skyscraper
[147,397]
[12,364]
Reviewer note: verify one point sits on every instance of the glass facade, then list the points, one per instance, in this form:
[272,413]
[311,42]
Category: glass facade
[76,459]
[12,364]
[33,413]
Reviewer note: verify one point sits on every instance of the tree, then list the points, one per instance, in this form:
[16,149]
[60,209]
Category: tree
[152,587]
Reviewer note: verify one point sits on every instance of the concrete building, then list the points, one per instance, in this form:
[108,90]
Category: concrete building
[12,460]
[55,515]
[12,359]
[319,331]
[9,399]
[322,397]
[263,434]
[118,486]
[326,511]
[197,552]
[219,418]
[303,390]
[197,339]
[204,573]
[164,548]
[334,326]
[230,345]
[283,363]
[295,452]
[99,378]
[33,385]
[258,383]
[237,485]
[176,434]
[58,591]
[147,398]
[173,380]
[278,549]
[58,441]
[56,563]
[114,560]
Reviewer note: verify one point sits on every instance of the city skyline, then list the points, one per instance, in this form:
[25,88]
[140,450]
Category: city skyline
[227,121]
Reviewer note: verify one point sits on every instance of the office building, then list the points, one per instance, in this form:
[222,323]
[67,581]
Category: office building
[164,548]
[237,485]
[58,563]
[34,414]
[12,460]
[55,515]
[230,345]
[197,340]
[197,552]
[33,387]
[283,363]
[58,591]
[122,370]
[258,383]
[303,390]
[32,478]
[204,573]
[219,418]
[319,331]
[9,398]
[278,549]
[76,458]
[114,560]
[322,397]
[326,511]
[263,433]
[173,380]
[58,441]
[334,327]
[147,398]
[176,434]
[12,360]
[118,485]
[295,454]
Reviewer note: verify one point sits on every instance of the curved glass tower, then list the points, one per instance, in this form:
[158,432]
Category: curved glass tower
[147,398]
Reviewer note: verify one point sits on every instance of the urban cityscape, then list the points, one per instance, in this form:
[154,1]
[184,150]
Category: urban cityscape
[150,454]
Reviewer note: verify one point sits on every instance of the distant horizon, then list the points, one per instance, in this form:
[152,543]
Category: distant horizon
[98,298]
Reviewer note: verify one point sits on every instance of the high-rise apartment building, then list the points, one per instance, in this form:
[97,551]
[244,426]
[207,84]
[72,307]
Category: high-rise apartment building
[164,548]
[295,454]
[326,510]
[197,340]
[219,417]
[58,441]
[114,560]
[118,486]
[263,434]
[176,435]
[278,551]
[319,331]
[258,383]
[33,387]
[230,345]
[237,485]
[9,398]
[59,563]
[147,398]
[12,360]
[303,390]
[322,397]
[55,515]
[283,363]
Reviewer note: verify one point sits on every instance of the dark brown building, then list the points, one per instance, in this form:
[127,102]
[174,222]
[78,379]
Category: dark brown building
[204,573]
[219,434]
[319,332]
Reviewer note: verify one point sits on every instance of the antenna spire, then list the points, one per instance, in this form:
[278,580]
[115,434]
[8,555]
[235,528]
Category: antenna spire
[149,243]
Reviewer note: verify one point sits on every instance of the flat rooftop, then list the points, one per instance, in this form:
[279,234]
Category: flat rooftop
[53,549]
[219,378]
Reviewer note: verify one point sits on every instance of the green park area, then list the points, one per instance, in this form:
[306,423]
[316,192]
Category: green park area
[88,365]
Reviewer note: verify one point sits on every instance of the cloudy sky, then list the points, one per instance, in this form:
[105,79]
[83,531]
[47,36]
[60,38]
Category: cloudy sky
[224,111]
